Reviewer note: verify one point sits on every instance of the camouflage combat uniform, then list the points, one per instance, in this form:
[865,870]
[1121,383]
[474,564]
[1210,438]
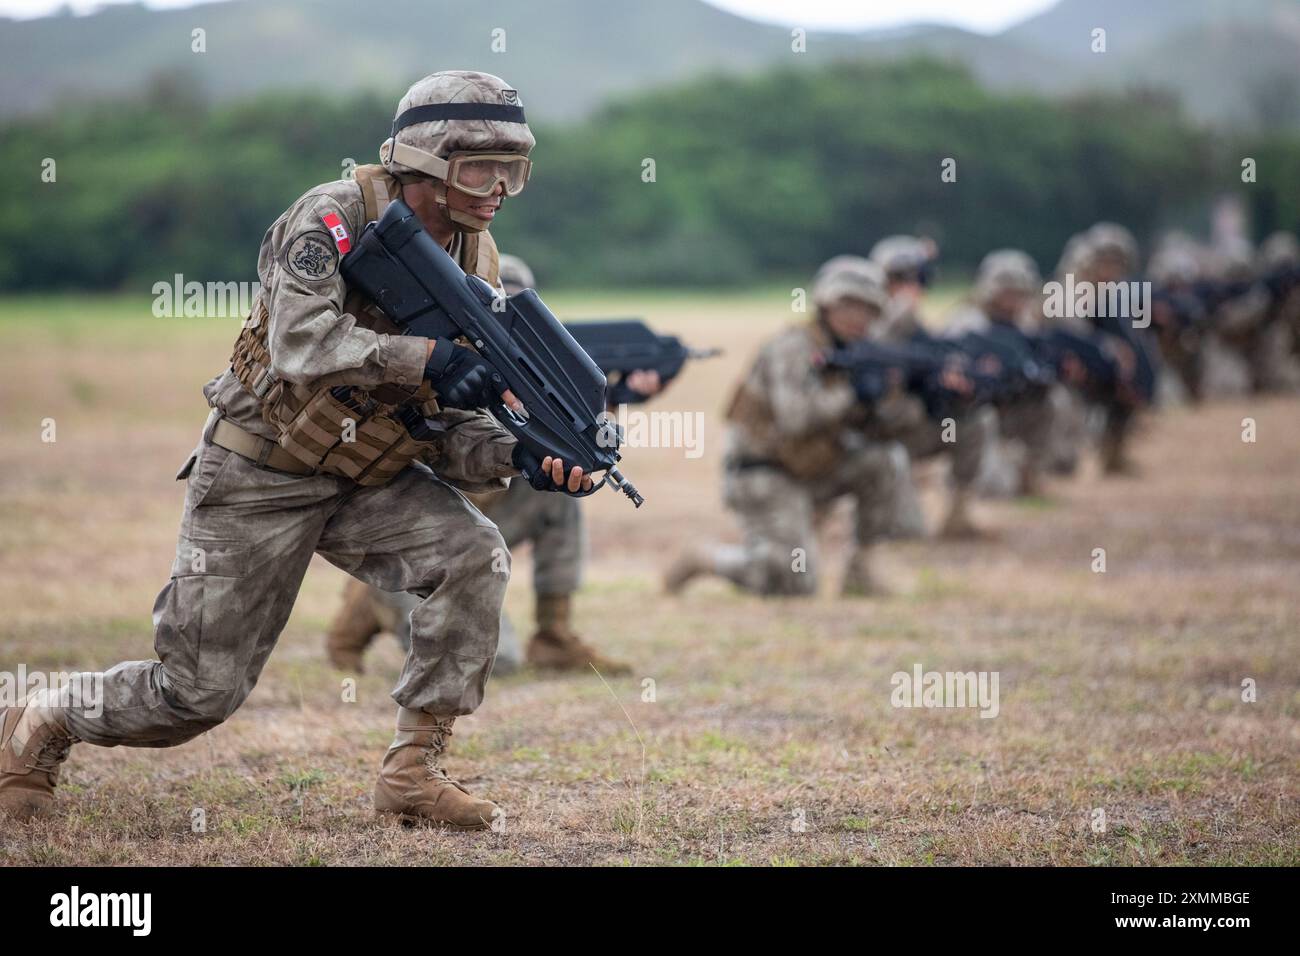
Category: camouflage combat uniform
[777,509]
[554,525]
[972,431]
[256,510]
[1028,421]
[1173,271]
[1107,252]
[1250,343]
[248,533]
[799,439]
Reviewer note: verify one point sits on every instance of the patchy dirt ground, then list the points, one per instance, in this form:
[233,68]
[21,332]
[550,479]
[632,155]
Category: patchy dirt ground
[771,738]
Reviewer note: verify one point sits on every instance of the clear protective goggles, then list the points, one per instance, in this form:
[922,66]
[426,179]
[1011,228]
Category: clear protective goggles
[479,173]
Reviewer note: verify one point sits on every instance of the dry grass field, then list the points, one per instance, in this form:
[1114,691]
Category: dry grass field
[771,738]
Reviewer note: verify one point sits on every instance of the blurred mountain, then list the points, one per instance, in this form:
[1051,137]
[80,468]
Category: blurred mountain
[1229,62]
[567,56]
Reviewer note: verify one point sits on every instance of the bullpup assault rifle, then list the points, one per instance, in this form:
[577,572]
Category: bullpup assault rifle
[924,368]
[421,289]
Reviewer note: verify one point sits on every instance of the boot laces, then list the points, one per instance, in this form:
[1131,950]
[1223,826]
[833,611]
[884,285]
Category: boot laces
[440,734]
[52,753]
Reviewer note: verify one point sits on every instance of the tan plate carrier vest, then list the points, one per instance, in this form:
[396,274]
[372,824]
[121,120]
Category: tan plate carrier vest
[345,430]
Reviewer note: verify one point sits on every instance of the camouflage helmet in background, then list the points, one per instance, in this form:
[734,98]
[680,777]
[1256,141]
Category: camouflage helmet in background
[904,255]
[1074,256]
[1176,261]
[1113,240]
[850,277]
[1233,259]
[1281,250]
[451,112]
[1006,270]
[514,274]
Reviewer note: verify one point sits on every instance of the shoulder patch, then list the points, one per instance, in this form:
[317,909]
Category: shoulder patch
[334,223]
[311,256]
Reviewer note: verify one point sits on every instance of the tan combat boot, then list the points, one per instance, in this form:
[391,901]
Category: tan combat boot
[690,565]
[555,645]
[412,785]
[1114,458]
[958,526]
[34,742]
[859,581]
[353,629]
[1031,480]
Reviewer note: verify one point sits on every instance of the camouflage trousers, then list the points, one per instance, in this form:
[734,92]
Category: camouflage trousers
[1020,449]
[1260,361]
[246,539]
[1032,421]
[1069,434]
[1183,362]
[970,433]
[551,521]
[778,516]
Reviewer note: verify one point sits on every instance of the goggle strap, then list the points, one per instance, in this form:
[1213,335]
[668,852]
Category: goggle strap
[434,166]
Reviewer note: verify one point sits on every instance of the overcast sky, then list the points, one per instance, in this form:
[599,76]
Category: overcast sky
[985,15]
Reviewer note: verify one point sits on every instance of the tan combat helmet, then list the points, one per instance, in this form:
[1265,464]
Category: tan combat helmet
[1074,256]
[1176,261]
[514,274]
[1281,250]
[903,255]
[463,129]
[1003,270]
[850,277]
[1233,259]
[1109,239]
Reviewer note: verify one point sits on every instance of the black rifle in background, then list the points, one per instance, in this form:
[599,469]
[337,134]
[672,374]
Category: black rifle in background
[1194,305]
[926,368]
[620,347]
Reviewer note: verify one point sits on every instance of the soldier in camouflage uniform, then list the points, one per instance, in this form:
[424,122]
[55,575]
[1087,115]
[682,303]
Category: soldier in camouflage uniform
[1253,326]
[799,439]
[1279,251]
[1108,253]
[1008,293]
[554,525]
[906,261]
[1235,327]
[1174,271]
[273,480]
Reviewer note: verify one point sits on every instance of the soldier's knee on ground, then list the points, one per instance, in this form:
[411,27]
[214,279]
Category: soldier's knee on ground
[786,576]
[975,433]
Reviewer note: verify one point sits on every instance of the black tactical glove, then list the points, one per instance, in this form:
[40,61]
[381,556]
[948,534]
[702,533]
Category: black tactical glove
[541,479]
[462,379]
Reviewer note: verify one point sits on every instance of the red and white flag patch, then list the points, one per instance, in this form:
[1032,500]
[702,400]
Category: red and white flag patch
[338,230]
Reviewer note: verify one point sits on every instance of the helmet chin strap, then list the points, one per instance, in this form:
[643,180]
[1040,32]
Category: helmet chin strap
[460,221]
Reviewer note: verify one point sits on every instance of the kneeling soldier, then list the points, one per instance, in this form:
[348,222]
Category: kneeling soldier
[907,261]
[799,439]
[1005,306]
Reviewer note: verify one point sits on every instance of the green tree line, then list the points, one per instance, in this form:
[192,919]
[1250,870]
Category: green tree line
[722,181]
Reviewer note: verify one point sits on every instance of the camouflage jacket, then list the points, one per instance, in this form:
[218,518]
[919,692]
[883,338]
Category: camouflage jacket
[790,410]
[314,339]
